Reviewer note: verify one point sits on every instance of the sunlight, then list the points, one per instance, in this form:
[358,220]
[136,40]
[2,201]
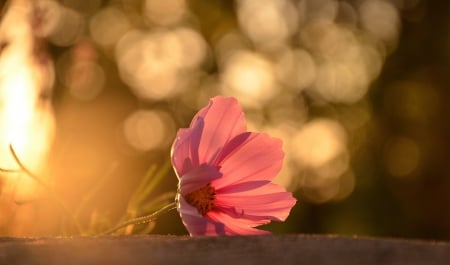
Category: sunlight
[156,64]
[249,77]
[26,119]
[149,129]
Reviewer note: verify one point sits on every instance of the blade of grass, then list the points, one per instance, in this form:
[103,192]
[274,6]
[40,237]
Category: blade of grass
[147,186]
[162,172]
[90,194]
[136,197]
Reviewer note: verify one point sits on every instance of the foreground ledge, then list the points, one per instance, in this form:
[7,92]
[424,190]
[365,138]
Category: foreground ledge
[286,249]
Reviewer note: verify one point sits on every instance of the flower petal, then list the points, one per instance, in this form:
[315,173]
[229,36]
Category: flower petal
[255,157]
[196,224]
[184,151]
[236,226]
[224,119]
[197,178]
[216,149]
[257,199]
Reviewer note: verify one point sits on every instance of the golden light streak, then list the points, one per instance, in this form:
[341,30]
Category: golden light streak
[26,118]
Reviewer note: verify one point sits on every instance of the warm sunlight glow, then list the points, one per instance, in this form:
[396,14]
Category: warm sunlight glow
[267,22]
[249,77]
[320,149]
[26,119]
[155,64]
[296,69]
[164,12]
[148,129]
[108,26]
[346,64]
[381,19]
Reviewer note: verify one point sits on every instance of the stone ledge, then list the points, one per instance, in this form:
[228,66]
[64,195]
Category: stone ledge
[278,249]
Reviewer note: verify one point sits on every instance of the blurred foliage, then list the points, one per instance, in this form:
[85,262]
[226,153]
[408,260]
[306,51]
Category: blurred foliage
[356,89]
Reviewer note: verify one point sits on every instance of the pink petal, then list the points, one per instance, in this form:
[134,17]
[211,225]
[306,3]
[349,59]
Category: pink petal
[197,178]
[231,147]
[260,199]
[236,226]
[224,119]
[184,151]
[196,224]
[256,156]
[239,165]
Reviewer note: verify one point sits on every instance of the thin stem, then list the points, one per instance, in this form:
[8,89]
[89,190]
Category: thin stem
[26,170]
[167,196]
[3,170]
[52,193]
[143,219]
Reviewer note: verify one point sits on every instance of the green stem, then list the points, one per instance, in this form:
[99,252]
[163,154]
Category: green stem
[142,219]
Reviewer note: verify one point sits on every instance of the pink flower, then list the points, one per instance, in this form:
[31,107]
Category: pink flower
[225,174]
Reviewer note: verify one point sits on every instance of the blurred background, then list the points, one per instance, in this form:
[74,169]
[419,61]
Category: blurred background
[93,92]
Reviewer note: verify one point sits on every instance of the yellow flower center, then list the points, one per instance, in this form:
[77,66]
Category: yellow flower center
[202,199]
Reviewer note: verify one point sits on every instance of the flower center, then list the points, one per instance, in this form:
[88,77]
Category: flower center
[202,199]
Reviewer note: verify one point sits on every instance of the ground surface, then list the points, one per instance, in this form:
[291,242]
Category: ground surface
[287,249]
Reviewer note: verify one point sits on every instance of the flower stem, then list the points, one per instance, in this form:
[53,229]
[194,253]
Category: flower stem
[142,219]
